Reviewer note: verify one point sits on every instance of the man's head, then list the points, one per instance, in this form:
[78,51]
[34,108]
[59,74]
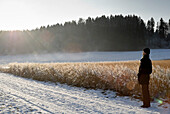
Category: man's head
[146,51]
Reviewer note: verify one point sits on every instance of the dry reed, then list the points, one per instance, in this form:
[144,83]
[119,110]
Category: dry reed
[117,76]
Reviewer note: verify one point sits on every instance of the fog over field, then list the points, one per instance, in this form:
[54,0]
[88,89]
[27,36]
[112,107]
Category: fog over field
[156,54]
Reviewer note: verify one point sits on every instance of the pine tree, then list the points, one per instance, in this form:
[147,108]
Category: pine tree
[149,26]
[152,25]
[163,28]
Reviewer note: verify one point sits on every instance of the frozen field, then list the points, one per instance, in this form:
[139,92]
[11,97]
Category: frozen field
[20,95]
[156,54]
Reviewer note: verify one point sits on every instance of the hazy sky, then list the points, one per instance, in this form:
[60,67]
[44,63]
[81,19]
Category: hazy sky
[30,14]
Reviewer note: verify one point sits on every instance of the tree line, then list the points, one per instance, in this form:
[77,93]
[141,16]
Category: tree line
[105,33]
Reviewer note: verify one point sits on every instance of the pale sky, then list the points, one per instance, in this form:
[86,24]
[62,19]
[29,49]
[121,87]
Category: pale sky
[30,14]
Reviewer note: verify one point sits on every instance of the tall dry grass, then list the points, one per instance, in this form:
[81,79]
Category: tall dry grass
[117,76]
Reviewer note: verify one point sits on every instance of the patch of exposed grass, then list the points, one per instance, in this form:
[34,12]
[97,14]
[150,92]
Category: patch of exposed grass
[117,76]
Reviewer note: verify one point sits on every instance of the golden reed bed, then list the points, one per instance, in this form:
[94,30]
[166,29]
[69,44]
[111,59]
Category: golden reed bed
[117,76]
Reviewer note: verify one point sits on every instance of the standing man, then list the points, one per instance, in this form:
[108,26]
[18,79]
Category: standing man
[145,70]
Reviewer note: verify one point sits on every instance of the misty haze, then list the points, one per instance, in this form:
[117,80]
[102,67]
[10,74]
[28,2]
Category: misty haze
[84,56]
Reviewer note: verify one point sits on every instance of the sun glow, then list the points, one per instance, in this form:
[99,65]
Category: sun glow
[32,14]
[15,15]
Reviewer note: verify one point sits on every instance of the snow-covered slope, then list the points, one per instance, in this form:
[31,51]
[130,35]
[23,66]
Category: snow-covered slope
[156,54]
[19,95]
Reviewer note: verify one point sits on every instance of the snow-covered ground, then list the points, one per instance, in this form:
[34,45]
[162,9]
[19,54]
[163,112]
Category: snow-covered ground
[156,54]
[20,95]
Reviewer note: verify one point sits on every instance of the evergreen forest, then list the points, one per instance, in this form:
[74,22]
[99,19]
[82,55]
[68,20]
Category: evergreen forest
[105,33]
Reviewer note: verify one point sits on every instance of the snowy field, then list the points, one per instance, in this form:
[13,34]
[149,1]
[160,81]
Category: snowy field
[156,54]
[20,95]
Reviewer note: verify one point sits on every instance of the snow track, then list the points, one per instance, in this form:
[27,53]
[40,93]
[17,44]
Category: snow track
[20,95]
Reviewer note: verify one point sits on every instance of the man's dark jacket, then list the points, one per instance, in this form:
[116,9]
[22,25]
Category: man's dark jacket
[145,70]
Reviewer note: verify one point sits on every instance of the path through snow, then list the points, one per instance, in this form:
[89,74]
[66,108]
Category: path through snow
[20,95]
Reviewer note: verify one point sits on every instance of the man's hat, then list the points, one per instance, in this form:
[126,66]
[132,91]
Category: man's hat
[147,51]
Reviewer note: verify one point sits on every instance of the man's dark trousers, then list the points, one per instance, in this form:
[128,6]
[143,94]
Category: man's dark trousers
[146,95]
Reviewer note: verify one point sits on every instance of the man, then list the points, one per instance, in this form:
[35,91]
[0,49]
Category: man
[145,70]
